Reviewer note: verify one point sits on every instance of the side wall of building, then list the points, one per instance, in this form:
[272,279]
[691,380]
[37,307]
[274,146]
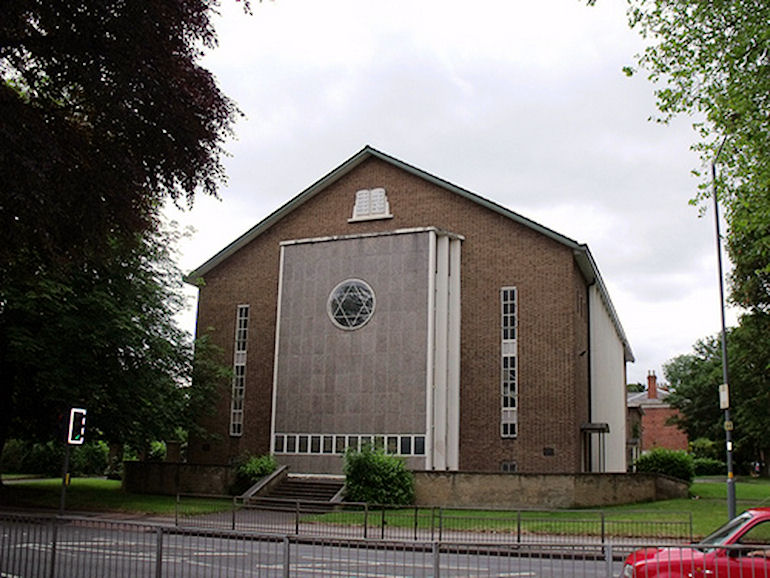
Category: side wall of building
[608,378]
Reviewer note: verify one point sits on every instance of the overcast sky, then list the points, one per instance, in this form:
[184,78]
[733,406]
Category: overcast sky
[522,102]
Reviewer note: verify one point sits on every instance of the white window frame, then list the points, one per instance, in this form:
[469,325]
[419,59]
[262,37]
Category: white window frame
[406,445]
[509,363]
[238,391]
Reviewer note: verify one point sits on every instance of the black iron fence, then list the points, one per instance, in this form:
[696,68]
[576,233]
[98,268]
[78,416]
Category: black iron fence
[362,521]
[75,547]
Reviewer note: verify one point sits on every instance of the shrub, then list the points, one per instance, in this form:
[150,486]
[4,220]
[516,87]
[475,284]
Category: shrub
[44,459]
[704,448]
[249,470]
[13,456]
[375,477]
[709,467]
[674,463]
[156,451]
[47,459]
[90,459]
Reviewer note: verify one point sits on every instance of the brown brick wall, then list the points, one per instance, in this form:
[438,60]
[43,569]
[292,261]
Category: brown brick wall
[553,377]
[656,432]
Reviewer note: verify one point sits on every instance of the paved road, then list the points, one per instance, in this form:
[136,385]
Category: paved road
[89,548]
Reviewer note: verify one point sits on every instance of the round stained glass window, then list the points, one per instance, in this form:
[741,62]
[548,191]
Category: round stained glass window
[351,304]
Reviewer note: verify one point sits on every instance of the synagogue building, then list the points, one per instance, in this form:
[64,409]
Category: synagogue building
[385,306]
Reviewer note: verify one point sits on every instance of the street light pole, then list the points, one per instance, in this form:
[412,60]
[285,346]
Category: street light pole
[725,370]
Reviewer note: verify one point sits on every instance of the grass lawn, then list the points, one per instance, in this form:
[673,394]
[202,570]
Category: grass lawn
[633,523]
[100,495]
[709,502]
[708,507]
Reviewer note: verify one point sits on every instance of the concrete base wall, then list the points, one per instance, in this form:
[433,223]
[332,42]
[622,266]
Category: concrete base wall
[446,489]
[176,478]
[542,490]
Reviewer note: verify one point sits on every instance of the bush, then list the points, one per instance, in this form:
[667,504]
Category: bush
[249,470]
[156,452]
[90,459]
[674,463]
[705,448]
[709,467]
[47,459]
[375,477]
[14,453]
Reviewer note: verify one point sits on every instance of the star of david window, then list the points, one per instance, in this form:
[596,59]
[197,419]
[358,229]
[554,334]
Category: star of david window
[351,304]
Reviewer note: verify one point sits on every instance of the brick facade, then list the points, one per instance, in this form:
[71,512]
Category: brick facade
[654,417]
[658,432]
[497,251]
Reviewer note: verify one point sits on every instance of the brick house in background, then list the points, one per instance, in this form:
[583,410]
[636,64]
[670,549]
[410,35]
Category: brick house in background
[385,305]
[649,417]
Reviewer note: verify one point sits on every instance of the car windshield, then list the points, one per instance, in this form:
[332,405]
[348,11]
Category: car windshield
[723,534]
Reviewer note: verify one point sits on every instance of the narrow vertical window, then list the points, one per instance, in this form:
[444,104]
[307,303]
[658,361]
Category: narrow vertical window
[509,384]
[239,370]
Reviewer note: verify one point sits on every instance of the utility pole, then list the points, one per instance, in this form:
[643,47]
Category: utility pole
[725,388]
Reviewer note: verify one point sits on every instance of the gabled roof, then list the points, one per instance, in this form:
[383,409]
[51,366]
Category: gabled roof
[582,254]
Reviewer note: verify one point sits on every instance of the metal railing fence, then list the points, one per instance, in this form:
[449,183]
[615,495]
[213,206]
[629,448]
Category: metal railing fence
[80,547]
[362,521]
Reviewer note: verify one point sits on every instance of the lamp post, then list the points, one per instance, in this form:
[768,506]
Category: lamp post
[724,390]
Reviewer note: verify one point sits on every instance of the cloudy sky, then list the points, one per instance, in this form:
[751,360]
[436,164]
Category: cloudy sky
[522,102]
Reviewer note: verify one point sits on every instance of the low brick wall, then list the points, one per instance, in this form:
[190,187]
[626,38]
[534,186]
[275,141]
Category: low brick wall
[491,490]
[176,478]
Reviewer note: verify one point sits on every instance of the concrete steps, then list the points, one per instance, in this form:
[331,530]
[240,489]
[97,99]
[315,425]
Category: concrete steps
[316,492]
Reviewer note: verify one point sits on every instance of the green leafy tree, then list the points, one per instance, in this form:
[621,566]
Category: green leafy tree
[105,111]
[695,380]
[104,337]
[712,60]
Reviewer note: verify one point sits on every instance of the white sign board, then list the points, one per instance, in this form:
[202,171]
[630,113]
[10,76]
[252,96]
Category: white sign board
[724,397]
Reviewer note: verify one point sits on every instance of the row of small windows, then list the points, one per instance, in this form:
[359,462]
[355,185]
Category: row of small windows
[331,444]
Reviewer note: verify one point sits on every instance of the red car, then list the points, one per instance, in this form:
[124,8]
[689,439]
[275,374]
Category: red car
[739,549]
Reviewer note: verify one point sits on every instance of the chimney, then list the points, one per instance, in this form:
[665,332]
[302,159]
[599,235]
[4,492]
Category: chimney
[652,385]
